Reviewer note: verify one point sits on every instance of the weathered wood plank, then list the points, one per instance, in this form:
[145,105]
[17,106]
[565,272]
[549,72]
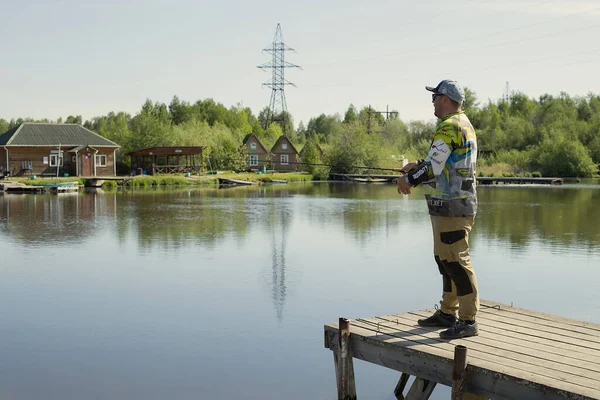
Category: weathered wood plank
[543,316]
[519,362]
[519,346]
[582,329]
[588,340]
[559,345]
[487,379]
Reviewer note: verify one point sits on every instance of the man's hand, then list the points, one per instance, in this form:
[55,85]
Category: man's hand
[409,167]
[403,185]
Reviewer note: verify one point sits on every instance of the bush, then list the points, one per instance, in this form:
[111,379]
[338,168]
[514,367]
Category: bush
[564,158]
[108,185]
[536,174]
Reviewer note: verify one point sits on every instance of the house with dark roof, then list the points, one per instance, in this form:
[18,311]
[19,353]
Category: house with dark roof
[258,154]
[56,150]
[285,155]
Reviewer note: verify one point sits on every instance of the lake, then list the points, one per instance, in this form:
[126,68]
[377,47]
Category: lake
[223,293]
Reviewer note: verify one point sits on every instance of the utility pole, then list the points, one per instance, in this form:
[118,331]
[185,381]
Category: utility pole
[388,115]
[278,106]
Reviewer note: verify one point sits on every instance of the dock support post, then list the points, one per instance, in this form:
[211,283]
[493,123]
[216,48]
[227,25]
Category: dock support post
[400,386]
[459,372]
[421,389]
[459,376]
[344,367]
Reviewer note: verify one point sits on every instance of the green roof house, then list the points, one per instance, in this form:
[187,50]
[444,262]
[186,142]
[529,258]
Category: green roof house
[56,150]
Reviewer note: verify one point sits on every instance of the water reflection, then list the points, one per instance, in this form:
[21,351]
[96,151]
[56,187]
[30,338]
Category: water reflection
[177,284]
[172,219]
[280,223]
[562,216]
[45,220]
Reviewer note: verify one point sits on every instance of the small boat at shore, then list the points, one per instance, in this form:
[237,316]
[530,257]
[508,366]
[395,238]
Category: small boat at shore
[234,182]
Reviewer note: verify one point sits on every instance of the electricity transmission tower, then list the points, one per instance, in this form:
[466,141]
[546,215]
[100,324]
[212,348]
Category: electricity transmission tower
[506,94]
[278,105]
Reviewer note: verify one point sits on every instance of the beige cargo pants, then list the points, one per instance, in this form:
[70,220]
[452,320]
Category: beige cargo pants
[451,251]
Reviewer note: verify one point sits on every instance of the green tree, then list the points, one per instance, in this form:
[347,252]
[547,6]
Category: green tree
[351,114]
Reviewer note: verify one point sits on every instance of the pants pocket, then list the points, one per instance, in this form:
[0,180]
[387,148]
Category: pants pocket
[452,237]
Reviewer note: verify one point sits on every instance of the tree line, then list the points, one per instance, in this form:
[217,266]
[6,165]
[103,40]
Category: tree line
[555,135]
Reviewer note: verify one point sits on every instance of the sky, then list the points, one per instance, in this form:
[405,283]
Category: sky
[89,58]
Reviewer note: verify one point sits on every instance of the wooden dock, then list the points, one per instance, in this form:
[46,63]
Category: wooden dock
[234,182]
[98,181]
[519,354]
[20,188]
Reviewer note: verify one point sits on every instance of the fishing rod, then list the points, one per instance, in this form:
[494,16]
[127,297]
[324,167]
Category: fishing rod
[327,165]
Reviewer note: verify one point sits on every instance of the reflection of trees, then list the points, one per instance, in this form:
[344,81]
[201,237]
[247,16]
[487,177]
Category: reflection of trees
[174,219]
[47,219]
[561,215]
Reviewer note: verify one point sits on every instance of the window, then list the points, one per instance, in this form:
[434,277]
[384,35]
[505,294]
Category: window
[252,145]
[254,160]
[283,146]
[284,159]
[56,160]
[100,160]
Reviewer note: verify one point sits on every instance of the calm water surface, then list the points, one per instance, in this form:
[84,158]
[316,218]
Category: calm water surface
[223,293]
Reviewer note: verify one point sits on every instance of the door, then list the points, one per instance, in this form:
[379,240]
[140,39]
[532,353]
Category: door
[86,164]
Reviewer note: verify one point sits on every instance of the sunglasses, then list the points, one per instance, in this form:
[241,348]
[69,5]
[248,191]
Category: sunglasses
[433,96]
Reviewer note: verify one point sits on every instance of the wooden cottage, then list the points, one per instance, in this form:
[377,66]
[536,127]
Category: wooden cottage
[285,155]
[56,150]
[258,155]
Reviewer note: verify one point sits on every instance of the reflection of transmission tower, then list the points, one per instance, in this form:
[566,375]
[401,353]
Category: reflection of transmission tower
[278,106]
[279,289]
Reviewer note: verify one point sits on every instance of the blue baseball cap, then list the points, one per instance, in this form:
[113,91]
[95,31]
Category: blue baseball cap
[449,88]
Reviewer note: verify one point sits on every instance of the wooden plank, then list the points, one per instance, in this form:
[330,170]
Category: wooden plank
[558,344]
[579,331]
[519,362]
[495,339]
[487,379]
[546,332]
[549,345]
[543,316]
[488,364]
[546,327]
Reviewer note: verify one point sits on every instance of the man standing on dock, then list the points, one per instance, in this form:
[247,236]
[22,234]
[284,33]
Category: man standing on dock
[449,169]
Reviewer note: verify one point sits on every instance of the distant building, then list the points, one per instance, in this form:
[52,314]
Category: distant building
[56,150]
[167,160]
[285,155]
[258,154]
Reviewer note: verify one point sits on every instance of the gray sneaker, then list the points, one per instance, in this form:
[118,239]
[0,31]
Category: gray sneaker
[438,319]
[460,330]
